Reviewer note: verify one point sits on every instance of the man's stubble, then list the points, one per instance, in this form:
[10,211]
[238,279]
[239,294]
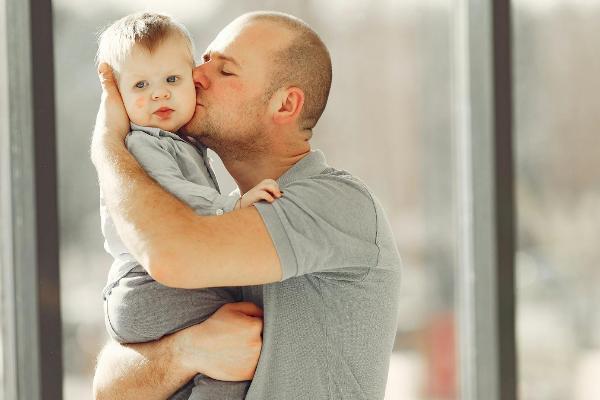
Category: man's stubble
[238,139]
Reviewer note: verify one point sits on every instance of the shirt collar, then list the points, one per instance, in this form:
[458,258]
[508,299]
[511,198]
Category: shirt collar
[312,164]
[157,132]
[151,130]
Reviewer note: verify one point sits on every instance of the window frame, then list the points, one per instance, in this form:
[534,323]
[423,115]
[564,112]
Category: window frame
[31,329]
[483,130]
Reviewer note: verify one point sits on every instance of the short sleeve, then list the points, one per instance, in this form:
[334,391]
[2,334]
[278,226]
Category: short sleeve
[154,156]
[322,224]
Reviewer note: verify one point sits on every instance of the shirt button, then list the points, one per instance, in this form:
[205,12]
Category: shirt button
[219,211]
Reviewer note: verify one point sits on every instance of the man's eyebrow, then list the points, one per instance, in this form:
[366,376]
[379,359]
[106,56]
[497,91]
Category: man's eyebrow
[215,54]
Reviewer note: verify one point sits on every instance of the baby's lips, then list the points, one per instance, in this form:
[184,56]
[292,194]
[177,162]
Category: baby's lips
[163,112]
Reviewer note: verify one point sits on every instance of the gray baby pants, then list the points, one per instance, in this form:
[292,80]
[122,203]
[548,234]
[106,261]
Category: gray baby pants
[138,309]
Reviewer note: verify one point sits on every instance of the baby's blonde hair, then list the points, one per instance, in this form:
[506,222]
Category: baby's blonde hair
[146,29]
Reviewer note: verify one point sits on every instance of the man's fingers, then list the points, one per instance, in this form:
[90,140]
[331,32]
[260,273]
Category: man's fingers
[247,308]
[107,79]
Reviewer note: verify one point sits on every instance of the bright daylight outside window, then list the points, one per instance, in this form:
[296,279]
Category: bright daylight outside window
[556,64]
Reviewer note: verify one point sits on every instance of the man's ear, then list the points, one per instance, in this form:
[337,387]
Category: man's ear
[287,105]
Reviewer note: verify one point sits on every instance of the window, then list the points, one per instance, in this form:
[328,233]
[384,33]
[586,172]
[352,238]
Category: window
[556,102]
[31,335]
[392,120]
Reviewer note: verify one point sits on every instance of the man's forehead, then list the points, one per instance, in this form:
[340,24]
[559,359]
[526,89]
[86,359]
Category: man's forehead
[228,34]
[241,37]
[226,40]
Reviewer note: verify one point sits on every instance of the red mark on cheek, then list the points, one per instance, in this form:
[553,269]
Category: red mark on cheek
[237,86]
[140,102]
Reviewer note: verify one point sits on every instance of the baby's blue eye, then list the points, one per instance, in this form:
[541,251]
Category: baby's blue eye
[141,84]
[172,79]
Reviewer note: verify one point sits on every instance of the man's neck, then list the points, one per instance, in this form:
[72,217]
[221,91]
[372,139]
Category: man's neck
[248,173]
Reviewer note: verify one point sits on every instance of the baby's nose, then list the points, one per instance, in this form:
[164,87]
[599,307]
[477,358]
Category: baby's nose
[161,94]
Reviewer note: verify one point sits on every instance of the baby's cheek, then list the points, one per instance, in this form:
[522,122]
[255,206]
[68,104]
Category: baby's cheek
[140,102]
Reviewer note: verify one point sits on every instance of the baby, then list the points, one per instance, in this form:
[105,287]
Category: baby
[152,58]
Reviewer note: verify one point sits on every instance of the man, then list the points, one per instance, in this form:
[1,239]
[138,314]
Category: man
[321,260]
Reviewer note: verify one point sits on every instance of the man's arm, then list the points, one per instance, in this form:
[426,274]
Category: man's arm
[226,347]
[138,371]
[164,234]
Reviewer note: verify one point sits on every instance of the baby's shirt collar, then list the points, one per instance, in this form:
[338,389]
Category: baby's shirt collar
[153,131]
[157,132]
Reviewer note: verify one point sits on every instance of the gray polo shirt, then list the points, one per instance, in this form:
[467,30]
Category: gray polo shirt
[329,325]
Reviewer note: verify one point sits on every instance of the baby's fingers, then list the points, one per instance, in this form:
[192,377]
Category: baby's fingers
[264,195]
[271,186]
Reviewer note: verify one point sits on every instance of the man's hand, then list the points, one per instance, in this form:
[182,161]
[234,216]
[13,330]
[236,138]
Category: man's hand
[226,346]
[267,190]
[112,122]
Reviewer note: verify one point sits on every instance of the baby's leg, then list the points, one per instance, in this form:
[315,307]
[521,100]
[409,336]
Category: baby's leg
[139,309]
[206,388]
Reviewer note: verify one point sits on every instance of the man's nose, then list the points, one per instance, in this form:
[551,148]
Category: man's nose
[200,78]
[161,94]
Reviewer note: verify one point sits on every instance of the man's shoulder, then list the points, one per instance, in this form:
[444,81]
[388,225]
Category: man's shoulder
[331,185]
[335,199]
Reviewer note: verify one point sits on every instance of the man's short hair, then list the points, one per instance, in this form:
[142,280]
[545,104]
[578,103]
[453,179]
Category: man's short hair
[305,63]
[148,30]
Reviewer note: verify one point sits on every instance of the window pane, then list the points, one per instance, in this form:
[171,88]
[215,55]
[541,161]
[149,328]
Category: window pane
[387,121]
[556,64]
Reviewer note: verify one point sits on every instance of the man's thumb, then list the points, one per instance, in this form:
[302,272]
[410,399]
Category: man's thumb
[247,308]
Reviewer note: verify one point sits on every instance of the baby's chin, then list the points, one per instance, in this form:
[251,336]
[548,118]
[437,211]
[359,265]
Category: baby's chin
[187,127]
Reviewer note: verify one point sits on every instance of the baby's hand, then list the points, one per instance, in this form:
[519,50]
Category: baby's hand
[267,190]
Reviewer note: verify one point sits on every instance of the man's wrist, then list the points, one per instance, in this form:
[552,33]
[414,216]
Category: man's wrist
[180,348]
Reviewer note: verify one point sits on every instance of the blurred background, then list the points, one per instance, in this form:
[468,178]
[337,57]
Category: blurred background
[389,122]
